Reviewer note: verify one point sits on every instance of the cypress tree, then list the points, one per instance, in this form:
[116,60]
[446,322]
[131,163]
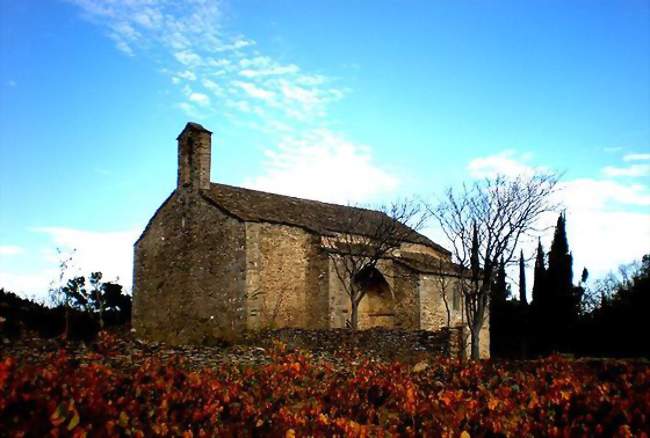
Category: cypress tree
[500,317]
[500,287]
[541,307]
[539,275]
[522,280]
[559,283]
[560,260]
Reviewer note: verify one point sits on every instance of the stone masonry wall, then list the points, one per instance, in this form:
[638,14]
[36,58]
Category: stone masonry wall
[433,312]
[281,282]
[189,272]
[407,299]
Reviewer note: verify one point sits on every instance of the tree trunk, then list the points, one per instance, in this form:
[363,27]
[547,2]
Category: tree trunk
[66,329]
[354,315]
[475,335]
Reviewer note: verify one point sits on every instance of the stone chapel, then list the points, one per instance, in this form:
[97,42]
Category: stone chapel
[217,259]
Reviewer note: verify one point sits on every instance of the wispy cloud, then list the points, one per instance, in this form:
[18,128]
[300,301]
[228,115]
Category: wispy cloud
[632,170]
[508,163]
[197,47]
[597,209]
[636,157]
[254,91]
[325,166]
[10,250]
[199,98]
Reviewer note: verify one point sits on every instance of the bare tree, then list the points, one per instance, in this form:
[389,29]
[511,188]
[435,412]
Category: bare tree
[368,237]
[484,223]
[58,288]
[449,284]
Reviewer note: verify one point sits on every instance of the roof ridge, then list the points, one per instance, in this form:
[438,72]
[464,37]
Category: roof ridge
[297,198]
[252,205]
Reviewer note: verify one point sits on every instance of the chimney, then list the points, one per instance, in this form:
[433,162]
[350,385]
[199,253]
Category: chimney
[194,150]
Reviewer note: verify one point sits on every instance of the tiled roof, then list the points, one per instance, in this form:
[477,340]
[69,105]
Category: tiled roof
[320,217]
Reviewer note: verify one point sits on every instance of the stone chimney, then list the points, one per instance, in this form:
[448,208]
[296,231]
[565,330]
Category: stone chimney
[194,150]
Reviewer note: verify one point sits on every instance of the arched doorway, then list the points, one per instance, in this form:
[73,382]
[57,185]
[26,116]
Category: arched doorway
[377,308]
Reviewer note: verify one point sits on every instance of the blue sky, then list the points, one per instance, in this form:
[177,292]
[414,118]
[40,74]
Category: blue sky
[338,101]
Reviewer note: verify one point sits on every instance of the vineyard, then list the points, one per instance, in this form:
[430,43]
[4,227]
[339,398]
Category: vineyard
[293,392]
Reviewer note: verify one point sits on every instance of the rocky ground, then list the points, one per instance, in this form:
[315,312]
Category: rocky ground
[338,347]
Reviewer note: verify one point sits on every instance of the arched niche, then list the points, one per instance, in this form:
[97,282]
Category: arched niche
[377,308]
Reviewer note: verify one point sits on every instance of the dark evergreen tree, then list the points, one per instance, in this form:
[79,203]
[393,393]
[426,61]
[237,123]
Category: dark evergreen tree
[501,315]
[563,296]
[539,277]
[560,261]
[522,280]
[522,312]
[500,287]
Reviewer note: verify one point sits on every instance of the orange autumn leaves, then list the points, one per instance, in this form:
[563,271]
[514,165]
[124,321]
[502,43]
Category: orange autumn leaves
[297,394]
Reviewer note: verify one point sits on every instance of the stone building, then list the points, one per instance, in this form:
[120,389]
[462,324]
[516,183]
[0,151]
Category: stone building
[216,260]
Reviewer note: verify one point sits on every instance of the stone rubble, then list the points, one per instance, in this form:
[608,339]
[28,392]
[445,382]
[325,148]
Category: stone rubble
[341,347]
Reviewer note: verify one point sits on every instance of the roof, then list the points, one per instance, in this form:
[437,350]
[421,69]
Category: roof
[320,217]
[428,264]
[191,126]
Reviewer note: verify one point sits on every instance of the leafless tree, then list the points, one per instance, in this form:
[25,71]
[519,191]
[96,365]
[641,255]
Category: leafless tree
[484,223]
[368,237]
[449,285]
[58,292]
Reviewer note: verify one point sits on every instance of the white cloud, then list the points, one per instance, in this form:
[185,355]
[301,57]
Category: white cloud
[608,222]
[9,250]
[192,35]
[504,163]
[632,170]
[596,194]
[636,157]
[124,47]
[34,284]
[213,86]
[323,166]
[187,57]
[200,99]
[190,110]
[270,71]
[108,252]
[254,91]
[300,94]
[187,74]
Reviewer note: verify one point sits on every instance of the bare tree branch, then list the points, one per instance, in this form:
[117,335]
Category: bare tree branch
[370,236]
[490,217]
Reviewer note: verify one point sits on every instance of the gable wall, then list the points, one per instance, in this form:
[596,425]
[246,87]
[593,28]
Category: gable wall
[189,273]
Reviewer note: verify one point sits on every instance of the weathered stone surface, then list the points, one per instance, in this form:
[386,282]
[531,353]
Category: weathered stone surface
[189,274]
[217,261]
